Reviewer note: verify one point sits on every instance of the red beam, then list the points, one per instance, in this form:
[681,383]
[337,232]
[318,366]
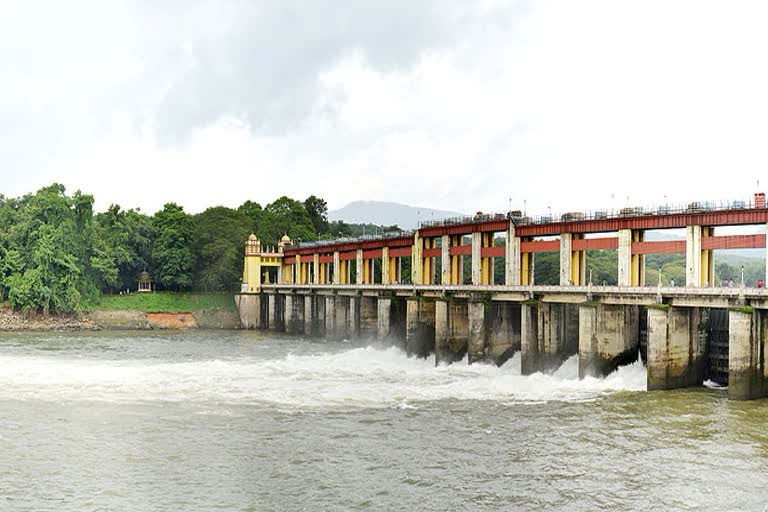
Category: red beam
[434,252]
[325,258]
[492,252]
[661,247]
[346,256]
[372,254]
[540,246]
[649,221]
[594,244]
[733,242]
[400,252]
[289,261]
[460,250]
[490,226]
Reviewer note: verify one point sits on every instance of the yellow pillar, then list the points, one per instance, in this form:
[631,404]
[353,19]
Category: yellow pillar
[393,277]
[252,264]
[416,257]
[637,261]
[707,260]
[578,263]
[456,270]
[385,267]
[486,263]
[427,263]
[526,265]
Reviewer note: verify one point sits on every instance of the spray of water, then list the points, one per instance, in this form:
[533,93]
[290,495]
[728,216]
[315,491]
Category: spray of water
[359,377]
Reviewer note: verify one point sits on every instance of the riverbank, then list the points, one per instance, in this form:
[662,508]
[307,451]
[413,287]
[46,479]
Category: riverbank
[13,321]
[163,310]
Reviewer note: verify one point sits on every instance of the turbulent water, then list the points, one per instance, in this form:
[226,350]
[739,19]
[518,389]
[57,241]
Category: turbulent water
[246,421]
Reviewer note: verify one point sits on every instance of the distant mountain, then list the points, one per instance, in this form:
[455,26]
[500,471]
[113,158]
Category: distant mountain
[386,214]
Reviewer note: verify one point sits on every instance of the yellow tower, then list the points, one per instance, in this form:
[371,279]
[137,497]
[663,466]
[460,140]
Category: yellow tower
[286,272]
[252,265]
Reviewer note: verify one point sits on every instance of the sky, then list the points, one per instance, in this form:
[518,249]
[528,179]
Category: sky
[446,104]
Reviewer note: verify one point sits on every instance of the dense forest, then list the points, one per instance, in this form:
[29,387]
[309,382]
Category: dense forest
[57,255]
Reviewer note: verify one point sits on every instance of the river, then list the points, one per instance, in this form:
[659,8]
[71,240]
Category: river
[249,421]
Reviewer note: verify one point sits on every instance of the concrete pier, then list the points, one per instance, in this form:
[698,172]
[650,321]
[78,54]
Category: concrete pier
[248,308]
[331,331]
[310,320]
[276,312]
[746,354]
[676,347]
[609,337]
[549,335]
[294,314]
[420,327]
[451,330]
[369,316]
[384,305]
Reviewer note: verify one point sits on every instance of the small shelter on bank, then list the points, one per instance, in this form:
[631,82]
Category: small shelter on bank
[145,282]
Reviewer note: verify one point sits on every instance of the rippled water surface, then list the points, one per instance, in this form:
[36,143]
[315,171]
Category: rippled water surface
[249,421]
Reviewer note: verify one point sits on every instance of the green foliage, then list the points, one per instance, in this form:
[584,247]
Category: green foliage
[217,241]
[167,301]
[171,249]
[317,209]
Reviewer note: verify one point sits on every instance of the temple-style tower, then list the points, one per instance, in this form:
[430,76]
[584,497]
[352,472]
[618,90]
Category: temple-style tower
[252,266]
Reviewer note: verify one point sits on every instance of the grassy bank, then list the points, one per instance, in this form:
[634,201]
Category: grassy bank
[166,301]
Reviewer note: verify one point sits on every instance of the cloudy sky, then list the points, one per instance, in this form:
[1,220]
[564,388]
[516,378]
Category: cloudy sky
[446,103]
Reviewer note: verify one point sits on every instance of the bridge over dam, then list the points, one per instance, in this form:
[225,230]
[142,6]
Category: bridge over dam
[408,289]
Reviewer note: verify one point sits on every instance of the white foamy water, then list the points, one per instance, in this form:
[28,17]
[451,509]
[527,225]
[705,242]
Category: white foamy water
[359,377]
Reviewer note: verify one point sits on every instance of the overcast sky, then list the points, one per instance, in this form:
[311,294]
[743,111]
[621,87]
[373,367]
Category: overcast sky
[448,104]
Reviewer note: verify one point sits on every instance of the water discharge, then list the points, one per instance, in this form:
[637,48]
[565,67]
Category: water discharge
[353,377]
[199,421]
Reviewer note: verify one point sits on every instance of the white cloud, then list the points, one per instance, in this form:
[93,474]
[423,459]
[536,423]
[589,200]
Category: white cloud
[573,105]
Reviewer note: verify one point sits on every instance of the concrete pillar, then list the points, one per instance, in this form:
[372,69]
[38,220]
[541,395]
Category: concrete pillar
[565,259]
[503,331]
[319,319]
[625,257]
[309,316]
[747,342]
[420,327]
[341,318]
[359,267]
[477,330]
[451,330]
[330,318]
[294,314]
[416,259]
[385,267]
[353,318]
[477,241]
[315,268]
[609,337]
[336,268]
[693,256]
[272,323]
[368,317]
[382,318]
[512,258]
[248,307]
[445,260]
[676,347]
[550,335]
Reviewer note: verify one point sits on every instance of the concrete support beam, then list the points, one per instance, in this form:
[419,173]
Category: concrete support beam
[386,278]
[676,347]
[625,257]
[477,331]
[336,268]
[609,337]
[353,320]
[359,267]
[512,258]
[565,259]
[420,327]
[315,269]
[693,256]
[320,316]
[445,260]
[451,330]
[747,343]
[342,321]
[477,243]
[272,309]
[550,335]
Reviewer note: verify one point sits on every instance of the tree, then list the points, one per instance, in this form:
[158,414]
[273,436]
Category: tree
[171,249]
[217,245]
[317,209]
[285,216]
